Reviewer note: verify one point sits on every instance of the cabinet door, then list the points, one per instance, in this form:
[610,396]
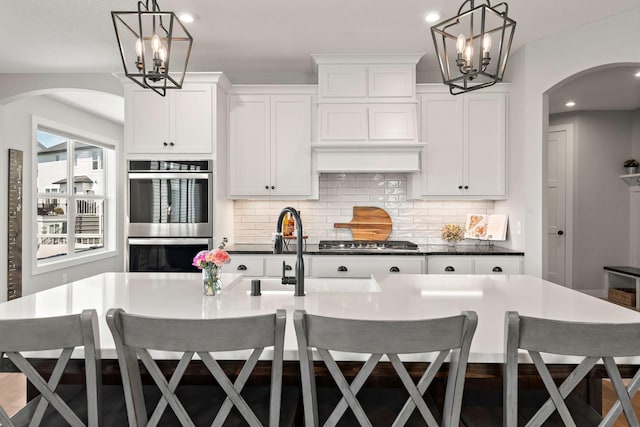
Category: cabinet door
[148,121]
[442,130]
[247,265]
[343,122]
[395,81]
[249,150]
[290,145]
[449,265]
[343,81]
[485,144]
[498,265]
[192,119]
[364,266]
[394,122]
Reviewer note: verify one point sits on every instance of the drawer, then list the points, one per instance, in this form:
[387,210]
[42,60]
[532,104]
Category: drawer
[273,265]
[247,265]
[364,266]
[449,265]
[498,265]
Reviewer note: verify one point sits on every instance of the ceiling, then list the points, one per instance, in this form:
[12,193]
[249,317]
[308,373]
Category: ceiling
[254,41]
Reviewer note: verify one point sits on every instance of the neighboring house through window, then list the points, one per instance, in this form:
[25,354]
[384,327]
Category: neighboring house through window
[71,218]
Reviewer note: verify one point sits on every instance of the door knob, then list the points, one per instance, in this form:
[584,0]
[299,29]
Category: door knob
[560,232]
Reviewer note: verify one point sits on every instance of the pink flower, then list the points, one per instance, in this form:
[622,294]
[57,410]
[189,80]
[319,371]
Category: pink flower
[213,258]
[220,257]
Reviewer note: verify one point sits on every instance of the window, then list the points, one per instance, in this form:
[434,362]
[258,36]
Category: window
[71,219]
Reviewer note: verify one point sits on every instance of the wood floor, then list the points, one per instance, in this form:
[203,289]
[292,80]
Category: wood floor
[13,395]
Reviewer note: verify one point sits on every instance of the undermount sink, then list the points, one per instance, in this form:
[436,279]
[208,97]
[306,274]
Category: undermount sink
[311,284]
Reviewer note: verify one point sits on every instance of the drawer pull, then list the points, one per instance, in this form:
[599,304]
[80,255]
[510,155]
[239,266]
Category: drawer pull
[342,268]
[242,267]
[449,268]
[497,269]
[287,267]
[394,269]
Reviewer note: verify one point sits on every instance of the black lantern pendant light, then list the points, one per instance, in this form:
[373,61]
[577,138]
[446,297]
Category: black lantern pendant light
[473,47]
[154,46]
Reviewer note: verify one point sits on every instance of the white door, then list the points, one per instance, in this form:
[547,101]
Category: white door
[556,191]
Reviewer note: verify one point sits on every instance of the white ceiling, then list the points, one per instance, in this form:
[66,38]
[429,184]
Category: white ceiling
[255,41]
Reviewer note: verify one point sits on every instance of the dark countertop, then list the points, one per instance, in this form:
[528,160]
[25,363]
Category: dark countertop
[312,249]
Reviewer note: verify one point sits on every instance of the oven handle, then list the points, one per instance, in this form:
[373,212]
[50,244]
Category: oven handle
[170,175]
[169,241]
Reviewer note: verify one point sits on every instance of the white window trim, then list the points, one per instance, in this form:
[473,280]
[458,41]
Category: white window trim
[110,223]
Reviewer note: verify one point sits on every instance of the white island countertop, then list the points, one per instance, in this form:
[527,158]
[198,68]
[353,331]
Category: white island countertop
[397,296]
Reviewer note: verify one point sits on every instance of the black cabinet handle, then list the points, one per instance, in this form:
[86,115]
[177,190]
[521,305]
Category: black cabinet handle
[466,187]
[394,269]
[273,187]
[242,267]
[165,144]
[342,268]
[171,144]
[459,187]
[497,269]
[449,268]
[266,187]
[560,232]
[287,267]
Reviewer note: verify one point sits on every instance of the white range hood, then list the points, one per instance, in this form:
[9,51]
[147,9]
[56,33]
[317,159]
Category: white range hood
[367,114]
[369,157]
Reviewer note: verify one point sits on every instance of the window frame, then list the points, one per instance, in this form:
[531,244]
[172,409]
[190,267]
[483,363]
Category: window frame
[109,199]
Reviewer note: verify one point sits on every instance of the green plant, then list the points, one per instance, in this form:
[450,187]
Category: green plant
[631,163]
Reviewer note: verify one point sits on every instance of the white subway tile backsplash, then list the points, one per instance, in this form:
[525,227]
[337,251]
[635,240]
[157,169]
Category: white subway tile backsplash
[419,221]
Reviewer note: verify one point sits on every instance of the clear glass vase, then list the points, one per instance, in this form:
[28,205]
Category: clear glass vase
[211,284]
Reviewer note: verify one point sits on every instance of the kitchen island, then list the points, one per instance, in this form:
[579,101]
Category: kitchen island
[393,296]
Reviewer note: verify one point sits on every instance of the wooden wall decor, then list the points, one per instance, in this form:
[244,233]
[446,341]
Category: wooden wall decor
[14,247]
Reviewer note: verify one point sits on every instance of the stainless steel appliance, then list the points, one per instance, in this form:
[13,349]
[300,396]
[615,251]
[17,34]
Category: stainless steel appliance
[165,254]
[170,198]
[367,245]
[170,214]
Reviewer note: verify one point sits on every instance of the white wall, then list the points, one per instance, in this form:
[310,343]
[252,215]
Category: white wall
[536,68]
[16,133]
[601,143]
[418,221]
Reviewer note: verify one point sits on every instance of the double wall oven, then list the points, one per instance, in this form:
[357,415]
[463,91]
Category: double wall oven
[170,214]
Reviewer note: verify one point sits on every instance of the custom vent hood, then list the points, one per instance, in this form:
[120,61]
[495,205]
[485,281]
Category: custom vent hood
[367,115]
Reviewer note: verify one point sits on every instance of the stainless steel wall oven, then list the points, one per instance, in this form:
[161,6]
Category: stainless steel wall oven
[170,213]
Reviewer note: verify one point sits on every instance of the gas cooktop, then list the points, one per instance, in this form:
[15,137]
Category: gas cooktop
[368,245]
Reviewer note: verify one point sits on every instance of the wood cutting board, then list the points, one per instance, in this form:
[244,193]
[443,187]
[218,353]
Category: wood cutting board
[368,223]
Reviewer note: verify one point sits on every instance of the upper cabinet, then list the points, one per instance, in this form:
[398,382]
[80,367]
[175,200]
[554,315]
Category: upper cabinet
[367,113]
[270,143]
[181,122]
[465,136]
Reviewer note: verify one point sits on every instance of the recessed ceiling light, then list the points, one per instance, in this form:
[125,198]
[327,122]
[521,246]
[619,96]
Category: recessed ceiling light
[570,104]
[187,18]
[432,17]
[638,74]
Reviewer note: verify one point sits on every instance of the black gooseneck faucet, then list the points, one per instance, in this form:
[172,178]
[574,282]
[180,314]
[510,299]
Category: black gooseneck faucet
[298,280]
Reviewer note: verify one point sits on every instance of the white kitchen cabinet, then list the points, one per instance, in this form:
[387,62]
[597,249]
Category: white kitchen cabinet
[364,265]
[247,265]
[366,77]
[180,123]
[465,153]
[362,122]
[469,264]
[269,145]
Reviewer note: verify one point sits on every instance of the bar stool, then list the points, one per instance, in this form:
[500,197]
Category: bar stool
[444,337]
[594,342]
[194,405]
[90,404]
